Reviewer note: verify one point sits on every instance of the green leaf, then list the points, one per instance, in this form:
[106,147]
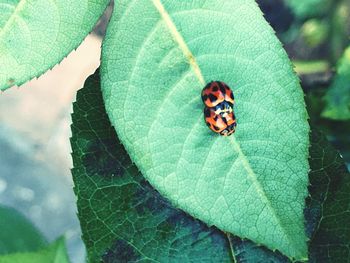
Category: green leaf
[124,220]
[157,56]
[246,251]
[54,253]
[338,96]
[35,35]
[328,204]
[17,234]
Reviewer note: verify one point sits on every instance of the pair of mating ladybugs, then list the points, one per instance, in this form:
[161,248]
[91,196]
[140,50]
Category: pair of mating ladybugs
[218,111]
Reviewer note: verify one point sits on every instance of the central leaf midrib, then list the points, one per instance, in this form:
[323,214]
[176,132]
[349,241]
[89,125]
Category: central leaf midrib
[188,54]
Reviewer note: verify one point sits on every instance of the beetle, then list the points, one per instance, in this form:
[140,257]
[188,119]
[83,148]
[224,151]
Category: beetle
[218,111]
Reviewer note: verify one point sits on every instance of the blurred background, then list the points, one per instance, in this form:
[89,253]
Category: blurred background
[35,119]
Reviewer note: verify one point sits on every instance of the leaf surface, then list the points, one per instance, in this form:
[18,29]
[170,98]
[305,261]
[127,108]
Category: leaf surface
[35,35]
[338,96]
[157,57]
[17,233]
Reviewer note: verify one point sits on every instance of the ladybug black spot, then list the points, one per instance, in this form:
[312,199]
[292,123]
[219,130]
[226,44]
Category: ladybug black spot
[204,97]
[216,128]
[222,88]
[212,97]
[231,95]
[209,85]
[206,112]
[215,88]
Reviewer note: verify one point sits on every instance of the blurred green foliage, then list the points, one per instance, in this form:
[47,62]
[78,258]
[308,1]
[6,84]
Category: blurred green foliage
[22,242]
[54,253]
[317,39]
[338,95]
[315,32]
[17,234]
[308,8]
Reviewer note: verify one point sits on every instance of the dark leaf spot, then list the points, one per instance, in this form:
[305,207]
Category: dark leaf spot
[120,251]
[148,200]
[100,159]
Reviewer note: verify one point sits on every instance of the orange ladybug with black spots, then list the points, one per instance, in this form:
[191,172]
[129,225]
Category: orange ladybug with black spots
[218,111]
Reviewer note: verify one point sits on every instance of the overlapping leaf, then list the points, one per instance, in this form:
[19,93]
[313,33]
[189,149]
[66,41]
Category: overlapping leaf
[35,35]
[157,56]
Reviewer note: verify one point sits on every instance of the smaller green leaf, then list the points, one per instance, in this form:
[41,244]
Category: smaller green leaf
[54,253]
[338,97]
[17,234]
[35,35]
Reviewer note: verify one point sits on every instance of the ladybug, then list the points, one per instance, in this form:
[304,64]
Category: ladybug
[216,92]
[218,111]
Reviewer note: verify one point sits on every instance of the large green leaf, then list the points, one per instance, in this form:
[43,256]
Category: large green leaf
[17,234]
[35,35]
[338,96]
[54,253]
[124,220]
[157,57]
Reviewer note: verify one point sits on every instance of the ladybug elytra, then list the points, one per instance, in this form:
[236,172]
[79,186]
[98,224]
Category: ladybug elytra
[218,111]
